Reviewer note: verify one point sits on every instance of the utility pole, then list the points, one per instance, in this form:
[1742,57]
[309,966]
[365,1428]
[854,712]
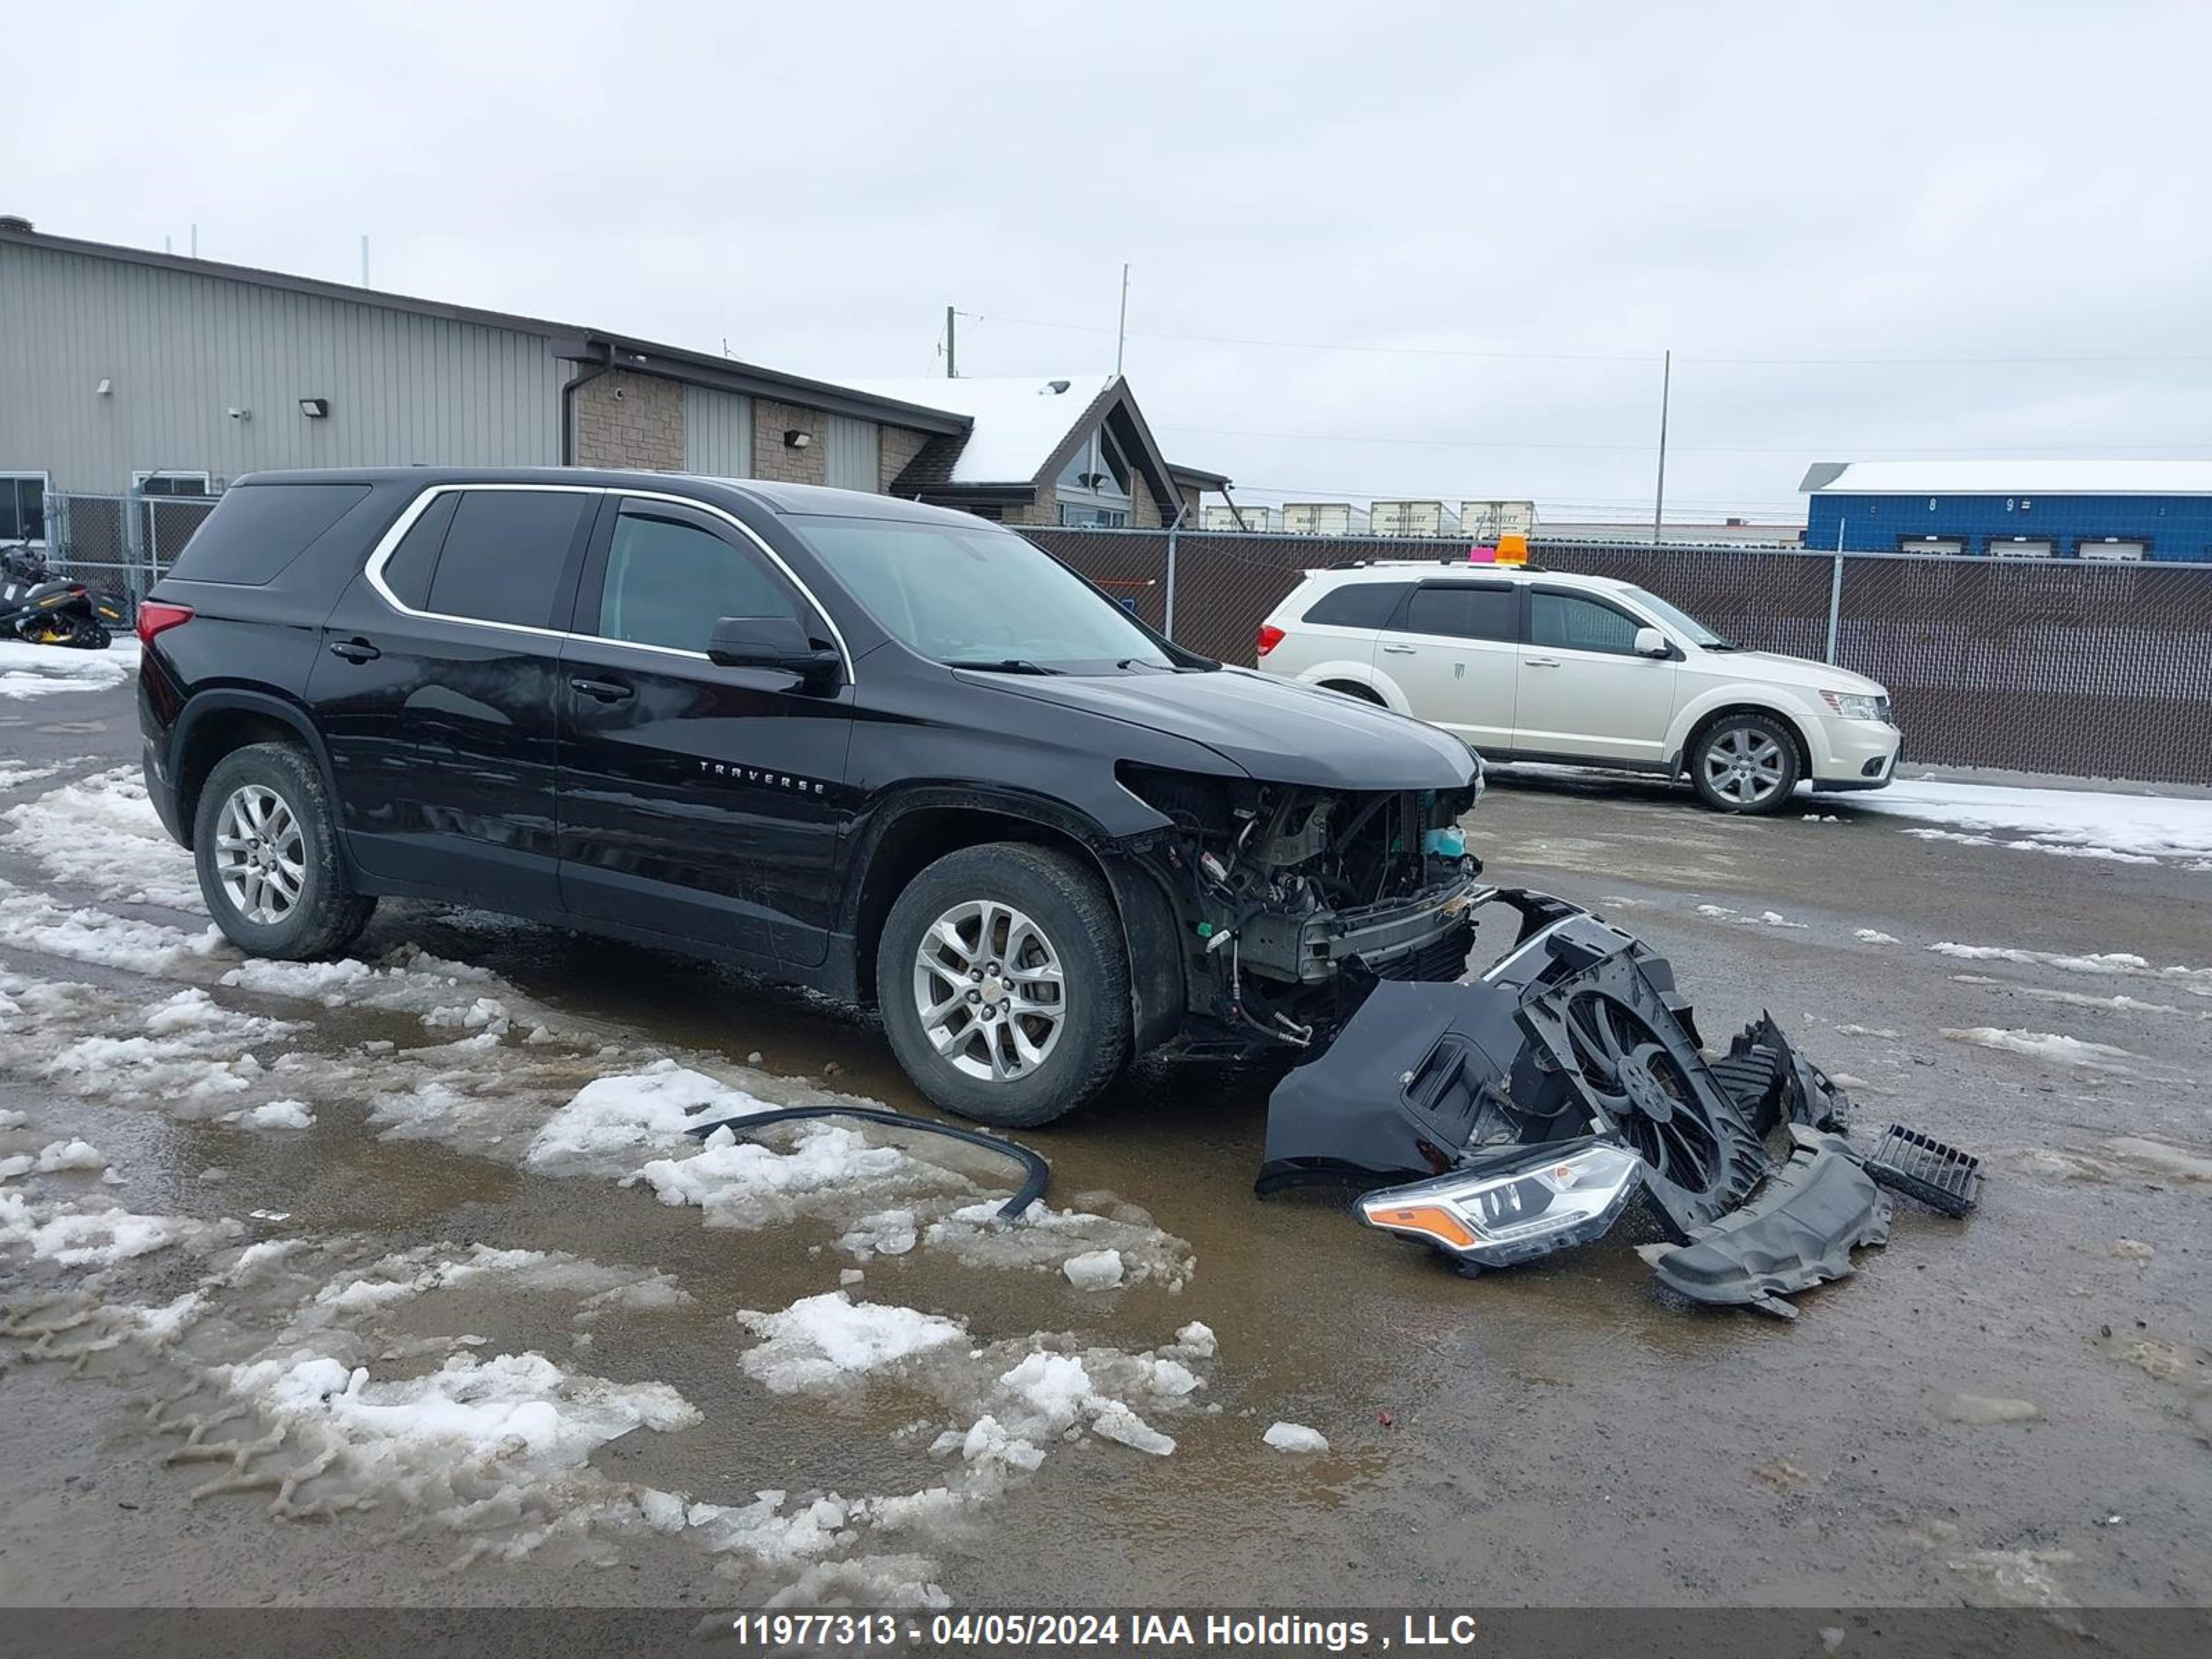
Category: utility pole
[1121,329]
[952,369]
[364,259]
[1659,495]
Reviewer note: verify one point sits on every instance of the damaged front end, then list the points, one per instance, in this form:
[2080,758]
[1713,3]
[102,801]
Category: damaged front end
[1521,1113]
[1293,902]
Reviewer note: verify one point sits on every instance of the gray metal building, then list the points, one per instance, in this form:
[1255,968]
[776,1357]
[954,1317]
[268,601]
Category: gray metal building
[127,372]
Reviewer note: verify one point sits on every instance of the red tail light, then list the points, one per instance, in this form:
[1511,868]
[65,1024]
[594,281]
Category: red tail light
[155,617]
[1270,637]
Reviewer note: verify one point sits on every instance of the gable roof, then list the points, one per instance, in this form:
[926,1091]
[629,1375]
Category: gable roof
[1994,477]
[570,341]
[1024,431]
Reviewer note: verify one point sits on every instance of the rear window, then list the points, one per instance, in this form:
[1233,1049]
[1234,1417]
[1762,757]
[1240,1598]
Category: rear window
[257,529]
[503,555]
[1358,605]
[1461,610]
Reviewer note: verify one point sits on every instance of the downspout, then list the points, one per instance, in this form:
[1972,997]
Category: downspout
[568,401]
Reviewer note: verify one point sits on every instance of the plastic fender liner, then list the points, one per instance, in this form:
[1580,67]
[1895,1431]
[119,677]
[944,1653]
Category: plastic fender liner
[1798,1231]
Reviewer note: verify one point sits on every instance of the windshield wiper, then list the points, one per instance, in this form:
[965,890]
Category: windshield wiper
[1002,665]
[1721,645]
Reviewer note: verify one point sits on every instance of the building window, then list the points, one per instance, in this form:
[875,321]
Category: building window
[2020,547]
[22,506]
[1932,545]
[2126,552]
[167,482]
[1082,516]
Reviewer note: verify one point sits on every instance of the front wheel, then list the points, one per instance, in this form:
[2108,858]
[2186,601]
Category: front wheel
[266,845]
[1745,763]
[1004,985]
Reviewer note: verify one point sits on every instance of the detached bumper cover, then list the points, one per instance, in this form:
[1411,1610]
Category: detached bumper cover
[1494,1113]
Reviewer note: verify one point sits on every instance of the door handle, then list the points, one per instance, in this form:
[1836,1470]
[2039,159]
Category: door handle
[355,650]
[1540,662]
[603,690]
[1399,650]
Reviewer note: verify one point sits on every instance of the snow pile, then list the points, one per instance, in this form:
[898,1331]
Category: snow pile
[509,1417]
[1049,1240]
[825,1341]
[1094,1270]
[2040,1045]
[1049,1394]
[32,922]
[746,1185]
[1764,918]
[189,1054]
[2123,827]
[16,775]
[38,671]
[411,1274]
[1295,1437]
[81,1236]
[887,1232]
[275,1114]
[613,1116]
[2195,980]
[1873,936]
[102,832]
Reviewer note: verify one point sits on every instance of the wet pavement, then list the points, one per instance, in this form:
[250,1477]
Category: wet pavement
[1556,1434]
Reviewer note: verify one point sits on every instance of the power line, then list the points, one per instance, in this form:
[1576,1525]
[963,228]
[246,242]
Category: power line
[1642,359]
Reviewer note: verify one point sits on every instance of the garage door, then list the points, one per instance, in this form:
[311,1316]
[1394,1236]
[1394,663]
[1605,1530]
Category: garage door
[2110,547]
[2019,547]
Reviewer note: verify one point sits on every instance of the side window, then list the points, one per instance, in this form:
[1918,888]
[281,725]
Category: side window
[669,582]
[1569,622]
[504,553]
[407,573]
[1358,605]
[1462,611]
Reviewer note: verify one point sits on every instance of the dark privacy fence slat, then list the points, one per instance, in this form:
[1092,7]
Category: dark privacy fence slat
[2067,666]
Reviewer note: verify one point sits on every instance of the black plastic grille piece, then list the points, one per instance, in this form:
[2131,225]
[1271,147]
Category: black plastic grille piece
[1922,1167]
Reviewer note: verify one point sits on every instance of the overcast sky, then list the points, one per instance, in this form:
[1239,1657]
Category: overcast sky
[1494,218]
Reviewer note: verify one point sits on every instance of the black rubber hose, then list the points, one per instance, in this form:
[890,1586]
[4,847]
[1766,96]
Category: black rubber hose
[1040,1172]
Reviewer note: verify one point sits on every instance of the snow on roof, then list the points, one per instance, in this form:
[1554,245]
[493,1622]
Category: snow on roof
[1020,421]
[2046,477]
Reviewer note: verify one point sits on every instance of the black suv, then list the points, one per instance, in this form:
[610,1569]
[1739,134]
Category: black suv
[894,753]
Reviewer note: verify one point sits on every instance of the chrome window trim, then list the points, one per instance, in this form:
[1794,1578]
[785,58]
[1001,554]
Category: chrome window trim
[388,543]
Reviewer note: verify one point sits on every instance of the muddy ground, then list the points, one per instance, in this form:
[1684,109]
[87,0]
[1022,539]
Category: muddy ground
[1558,1434]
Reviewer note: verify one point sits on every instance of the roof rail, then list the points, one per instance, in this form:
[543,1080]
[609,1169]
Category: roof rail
[1460,563]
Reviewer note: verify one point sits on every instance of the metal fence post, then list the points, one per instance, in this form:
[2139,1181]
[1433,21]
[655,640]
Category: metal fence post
[1836,590]
[1174,526]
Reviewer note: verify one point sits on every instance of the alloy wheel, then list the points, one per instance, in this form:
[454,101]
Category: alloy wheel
[989,989]
[260,854]
[1744,765]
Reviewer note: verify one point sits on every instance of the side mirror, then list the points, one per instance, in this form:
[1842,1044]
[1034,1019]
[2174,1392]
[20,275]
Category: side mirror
[1651,642]
[777,642]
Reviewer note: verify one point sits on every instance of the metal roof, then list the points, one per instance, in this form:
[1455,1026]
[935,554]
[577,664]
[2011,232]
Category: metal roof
[1995,477]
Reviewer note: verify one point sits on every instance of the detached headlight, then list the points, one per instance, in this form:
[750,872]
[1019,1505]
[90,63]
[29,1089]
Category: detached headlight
[1515,1205]
[1858,705]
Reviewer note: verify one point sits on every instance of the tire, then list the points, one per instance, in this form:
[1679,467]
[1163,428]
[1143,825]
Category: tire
[1010,1070]
[283,785]
[1745,764]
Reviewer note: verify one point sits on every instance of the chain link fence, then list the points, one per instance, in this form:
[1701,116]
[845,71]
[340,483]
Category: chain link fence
[119,545]
[2071,666]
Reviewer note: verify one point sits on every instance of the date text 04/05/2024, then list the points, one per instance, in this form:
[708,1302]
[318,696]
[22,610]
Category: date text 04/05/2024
[1135,1631]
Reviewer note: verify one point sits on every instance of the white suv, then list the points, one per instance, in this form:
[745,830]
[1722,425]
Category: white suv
[1531,665]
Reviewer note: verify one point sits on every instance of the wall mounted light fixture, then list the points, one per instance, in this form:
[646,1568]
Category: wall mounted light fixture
[795,439]
[315,408]
[104,389]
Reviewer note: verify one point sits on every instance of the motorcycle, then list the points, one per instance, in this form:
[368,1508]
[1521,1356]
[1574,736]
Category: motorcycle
[37,606]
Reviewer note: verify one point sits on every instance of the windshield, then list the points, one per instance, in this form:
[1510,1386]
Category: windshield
[978,597]
[1681,621]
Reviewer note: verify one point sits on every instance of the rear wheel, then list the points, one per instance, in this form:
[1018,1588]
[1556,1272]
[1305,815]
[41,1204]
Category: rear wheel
[266,844]
[1005,984]
[1745,763]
